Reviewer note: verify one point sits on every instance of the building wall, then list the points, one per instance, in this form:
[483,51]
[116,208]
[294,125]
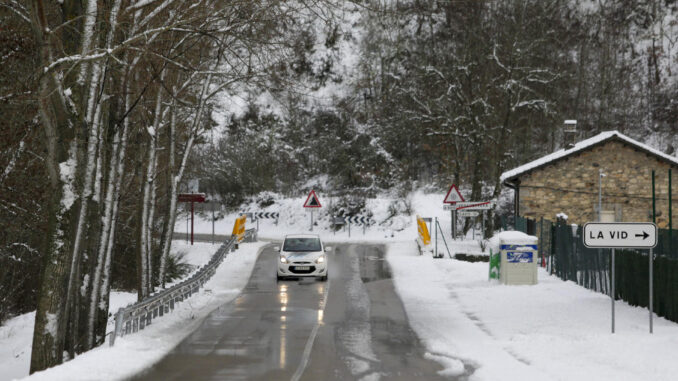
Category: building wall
[570,186]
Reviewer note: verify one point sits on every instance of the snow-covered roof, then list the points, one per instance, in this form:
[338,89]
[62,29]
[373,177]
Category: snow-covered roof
[583,145]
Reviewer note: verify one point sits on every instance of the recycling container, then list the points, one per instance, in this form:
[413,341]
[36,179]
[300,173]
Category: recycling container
[518,258]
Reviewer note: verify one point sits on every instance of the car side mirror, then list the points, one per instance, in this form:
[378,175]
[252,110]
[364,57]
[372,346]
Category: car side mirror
[276,248]
[328,248]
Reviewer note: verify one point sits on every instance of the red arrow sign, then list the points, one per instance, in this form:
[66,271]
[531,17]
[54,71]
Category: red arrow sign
[471,205]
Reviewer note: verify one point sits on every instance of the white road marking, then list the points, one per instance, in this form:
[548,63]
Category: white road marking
[309,343]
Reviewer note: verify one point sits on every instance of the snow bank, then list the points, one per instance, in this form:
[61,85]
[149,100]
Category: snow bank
[138,351]
[514,237]
[555,330]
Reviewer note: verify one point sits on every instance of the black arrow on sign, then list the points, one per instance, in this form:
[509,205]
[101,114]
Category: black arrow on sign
[644,235]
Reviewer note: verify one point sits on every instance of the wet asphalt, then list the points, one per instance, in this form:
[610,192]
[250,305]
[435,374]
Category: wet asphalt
[351,327]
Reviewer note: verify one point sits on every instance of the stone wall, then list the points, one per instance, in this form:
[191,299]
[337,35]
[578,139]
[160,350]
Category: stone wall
[570,186]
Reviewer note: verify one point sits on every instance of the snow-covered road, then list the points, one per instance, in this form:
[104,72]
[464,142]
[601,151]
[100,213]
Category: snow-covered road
[352,327]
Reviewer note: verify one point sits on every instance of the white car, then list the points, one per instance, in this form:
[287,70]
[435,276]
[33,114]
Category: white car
[302,255]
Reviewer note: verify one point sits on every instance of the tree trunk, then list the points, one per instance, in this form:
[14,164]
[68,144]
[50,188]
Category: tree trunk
[104,296]
[145,227]
[193,131]
[168,228]
[50,325]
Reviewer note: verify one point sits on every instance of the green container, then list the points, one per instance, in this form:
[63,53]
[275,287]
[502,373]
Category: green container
[495,262]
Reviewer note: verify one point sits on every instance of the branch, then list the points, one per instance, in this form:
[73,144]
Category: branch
[18,9]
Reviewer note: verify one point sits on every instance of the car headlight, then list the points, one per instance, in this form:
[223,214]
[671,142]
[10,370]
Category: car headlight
[283,259]
[320,260]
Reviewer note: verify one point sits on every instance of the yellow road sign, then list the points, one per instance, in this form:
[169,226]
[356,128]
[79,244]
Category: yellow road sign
[423,231]
[239,227]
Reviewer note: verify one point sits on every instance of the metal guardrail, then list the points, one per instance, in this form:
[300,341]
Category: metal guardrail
[137,316]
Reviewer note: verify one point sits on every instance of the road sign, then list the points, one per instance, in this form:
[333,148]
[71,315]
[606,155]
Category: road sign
[191,197]
[449,207]
[424,235]
[467,214]
[474,205]
[453,195]
[312,201]
[620,235]
[263,215]
[359,220]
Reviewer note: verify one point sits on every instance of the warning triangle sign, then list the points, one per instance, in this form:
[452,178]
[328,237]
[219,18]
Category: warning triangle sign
[312,201]
[453,196]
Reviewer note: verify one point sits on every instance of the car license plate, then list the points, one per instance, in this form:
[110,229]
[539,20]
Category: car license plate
[302,268]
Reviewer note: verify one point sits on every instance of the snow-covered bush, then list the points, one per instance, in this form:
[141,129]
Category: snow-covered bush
[265,199]
[350,205]
[177,266]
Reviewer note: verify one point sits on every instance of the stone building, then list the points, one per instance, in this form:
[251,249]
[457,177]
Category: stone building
[567,181]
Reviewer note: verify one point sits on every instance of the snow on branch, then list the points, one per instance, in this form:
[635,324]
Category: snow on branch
[17,9]
[12,162]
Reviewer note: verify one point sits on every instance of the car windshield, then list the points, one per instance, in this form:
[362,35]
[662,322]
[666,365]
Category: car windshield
[301,244]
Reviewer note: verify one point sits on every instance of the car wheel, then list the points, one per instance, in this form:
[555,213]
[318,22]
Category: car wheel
[278,277]
[324,278]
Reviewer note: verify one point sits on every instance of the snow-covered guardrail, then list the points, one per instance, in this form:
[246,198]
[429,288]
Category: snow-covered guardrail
[137,316]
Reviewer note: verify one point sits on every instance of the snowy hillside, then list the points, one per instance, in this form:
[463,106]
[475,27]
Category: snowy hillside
[393,218]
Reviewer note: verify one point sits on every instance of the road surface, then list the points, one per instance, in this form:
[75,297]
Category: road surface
[352,327]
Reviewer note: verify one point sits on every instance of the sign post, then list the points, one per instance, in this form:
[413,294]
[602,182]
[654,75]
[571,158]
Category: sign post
[312,202]
[613,296]
[452,197]
[482,225]
[435,227]
[192,198]
[467,207]
[620,235]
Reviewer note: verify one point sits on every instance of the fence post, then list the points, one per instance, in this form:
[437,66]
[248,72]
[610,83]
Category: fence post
[612,291]
[541,242]
[118,325]
[651,264]
[670,215]
[436,229]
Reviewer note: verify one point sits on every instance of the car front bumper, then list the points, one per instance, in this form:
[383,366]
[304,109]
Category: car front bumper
[302,269]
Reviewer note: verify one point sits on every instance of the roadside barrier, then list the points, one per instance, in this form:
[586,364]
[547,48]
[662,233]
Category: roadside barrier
[239,229]
[424,237]
[137,316]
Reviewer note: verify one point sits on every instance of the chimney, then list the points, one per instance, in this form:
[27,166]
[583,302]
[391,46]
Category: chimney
[570,133]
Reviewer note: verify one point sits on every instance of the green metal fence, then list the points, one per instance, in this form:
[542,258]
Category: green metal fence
[521,224]
[570,260]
